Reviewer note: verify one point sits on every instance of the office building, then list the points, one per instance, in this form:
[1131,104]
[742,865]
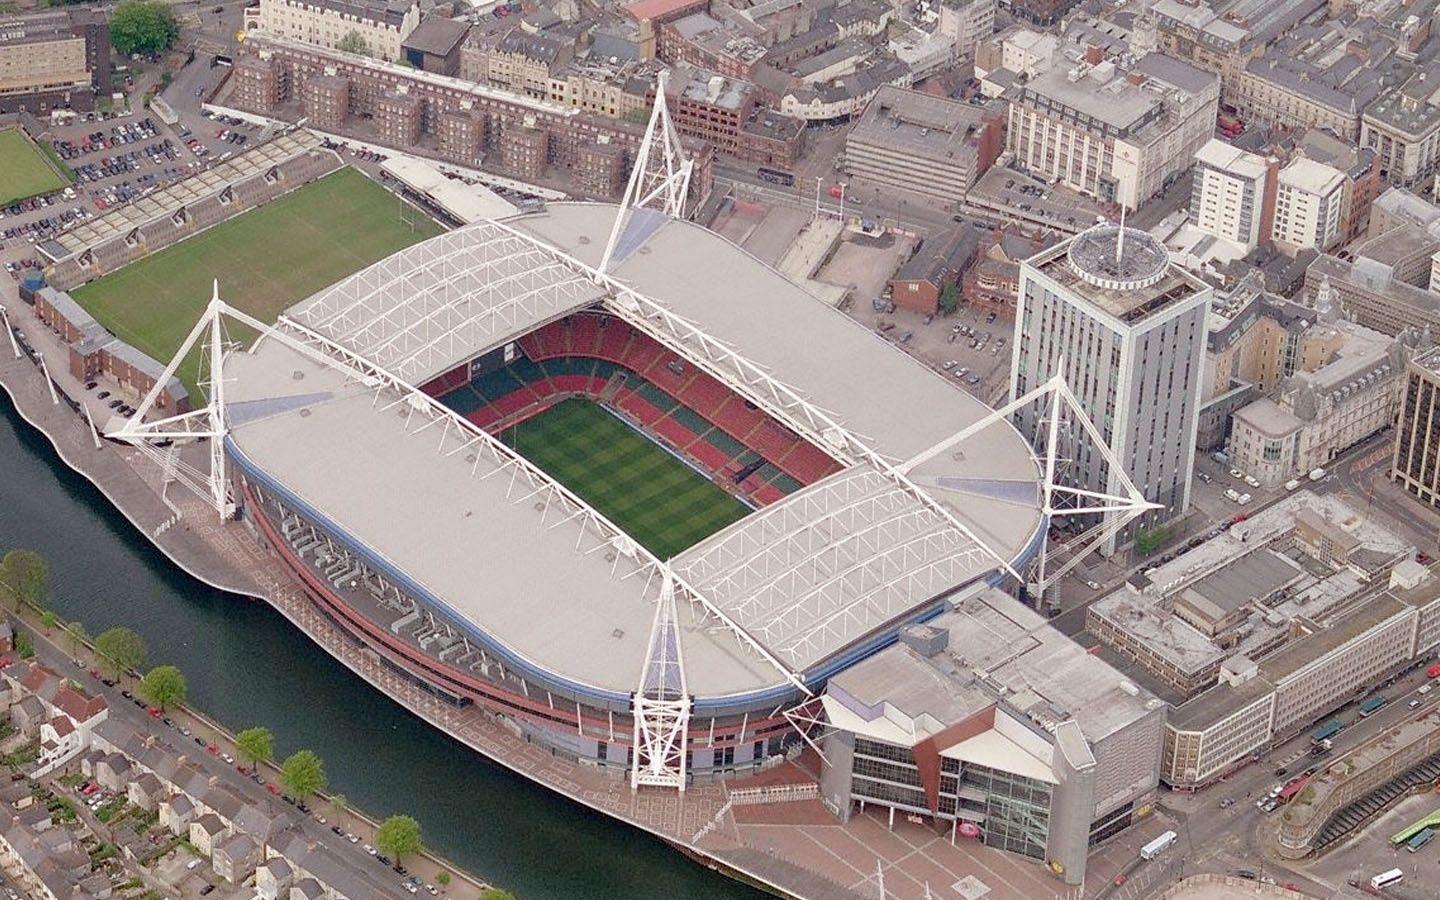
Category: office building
[1129,328]
[1308,202]
[1120,136]
[54,60]
[990,722]
[381,25]
[1385,283]
[1416,465]
[1403,128]
[927,147]
[1233,197]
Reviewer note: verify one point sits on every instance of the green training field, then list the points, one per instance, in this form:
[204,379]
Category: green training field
[266,259]
[24,171]
[655,498]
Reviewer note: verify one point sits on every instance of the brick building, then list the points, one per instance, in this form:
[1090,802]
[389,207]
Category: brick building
[531,139]
[54,60]
[723,111]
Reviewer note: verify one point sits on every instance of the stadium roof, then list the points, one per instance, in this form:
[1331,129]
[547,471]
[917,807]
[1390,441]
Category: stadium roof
[156,205]
[526,567]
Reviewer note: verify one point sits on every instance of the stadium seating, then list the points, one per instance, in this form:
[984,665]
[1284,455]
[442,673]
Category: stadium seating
[609,361]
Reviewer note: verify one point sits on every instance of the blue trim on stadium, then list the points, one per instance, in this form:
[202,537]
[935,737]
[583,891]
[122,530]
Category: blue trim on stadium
[734,704]
[319,519]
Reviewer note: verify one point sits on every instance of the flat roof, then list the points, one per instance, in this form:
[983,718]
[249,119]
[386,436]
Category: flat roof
[999,652]
[459,536]
[1247,579]
[432,517]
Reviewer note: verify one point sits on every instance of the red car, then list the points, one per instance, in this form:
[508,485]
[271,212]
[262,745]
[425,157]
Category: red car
[154,712]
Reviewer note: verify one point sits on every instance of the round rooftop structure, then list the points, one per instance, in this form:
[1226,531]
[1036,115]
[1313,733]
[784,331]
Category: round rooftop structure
[1118,258]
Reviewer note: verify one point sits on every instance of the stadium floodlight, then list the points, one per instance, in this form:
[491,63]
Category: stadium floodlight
[661,175]
[1118,507]
[661,704]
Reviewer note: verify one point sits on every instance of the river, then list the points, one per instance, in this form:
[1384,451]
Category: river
[246,665]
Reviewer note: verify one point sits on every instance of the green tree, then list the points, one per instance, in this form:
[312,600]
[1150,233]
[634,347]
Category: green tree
[48,620]
[398,837]
[495,893]
[1147,542]
[164,687]
[442,878]
[353,42]
[75,638]
[302,774]
[339,805]
[24,578]
[255,745]
[142,26]
[120,650]
[949,298]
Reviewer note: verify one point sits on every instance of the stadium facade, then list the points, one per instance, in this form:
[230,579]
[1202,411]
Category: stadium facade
[477,575]
[811,498]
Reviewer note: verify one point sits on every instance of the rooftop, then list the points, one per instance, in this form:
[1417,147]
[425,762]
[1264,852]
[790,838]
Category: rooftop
[1130,279]
[417,514]
[919,123]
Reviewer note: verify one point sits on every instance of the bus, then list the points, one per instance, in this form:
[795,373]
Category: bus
[1326,731]
[1385,879]
[1371,705]
[775,176]
[1420,839]
[1157,846]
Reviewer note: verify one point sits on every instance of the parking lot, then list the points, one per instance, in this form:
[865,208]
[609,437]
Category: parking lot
[115,160]
[969,347]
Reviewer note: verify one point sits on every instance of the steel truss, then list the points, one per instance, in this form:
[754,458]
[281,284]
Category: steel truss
[208,423]
[661,173]
[826,566]
[1117,508]
[457,292]
[454,434]
[661,705]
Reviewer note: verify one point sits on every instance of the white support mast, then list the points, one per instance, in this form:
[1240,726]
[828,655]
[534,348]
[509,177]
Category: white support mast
[1062,500]
[661,704]
[208,422]
[661,177]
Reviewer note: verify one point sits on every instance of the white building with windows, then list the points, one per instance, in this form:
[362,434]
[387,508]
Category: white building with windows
[1230,194]
[1119,135]
[1127,329]
[381,24]
[1308,200]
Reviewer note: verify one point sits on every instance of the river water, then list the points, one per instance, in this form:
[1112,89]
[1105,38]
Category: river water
[246,665]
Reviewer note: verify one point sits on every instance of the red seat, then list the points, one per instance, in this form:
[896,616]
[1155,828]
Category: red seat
[573,384]
[708,456]
[674,432]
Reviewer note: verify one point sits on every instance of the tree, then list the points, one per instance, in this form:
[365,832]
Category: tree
[353,42]
[339,805]
[75,638]
[255,745]
[164,687]
[442,878]
[24,578]
[398,837]
[949,298]
[302,774]
[495,893]
[1147,542]
[120,650]
[142,26]
[48,620]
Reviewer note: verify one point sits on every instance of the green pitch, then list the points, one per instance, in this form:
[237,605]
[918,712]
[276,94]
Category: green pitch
[655,498]
[266,259]
[24,171]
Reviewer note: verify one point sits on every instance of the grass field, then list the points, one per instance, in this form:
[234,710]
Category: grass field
[266,259]
[24,171]
[655,498]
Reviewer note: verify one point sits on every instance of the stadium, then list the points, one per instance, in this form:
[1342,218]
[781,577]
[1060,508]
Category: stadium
[653,507]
